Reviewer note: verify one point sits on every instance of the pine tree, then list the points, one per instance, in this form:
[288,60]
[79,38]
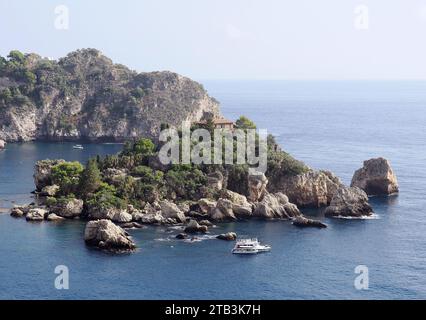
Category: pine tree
[91,179]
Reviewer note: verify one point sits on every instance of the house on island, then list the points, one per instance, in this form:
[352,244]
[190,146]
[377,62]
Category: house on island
[220,123]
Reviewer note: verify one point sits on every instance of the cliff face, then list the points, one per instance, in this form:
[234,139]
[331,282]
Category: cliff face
[85,96]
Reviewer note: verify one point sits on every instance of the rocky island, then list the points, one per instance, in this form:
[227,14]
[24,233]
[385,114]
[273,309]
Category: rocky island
[86,96]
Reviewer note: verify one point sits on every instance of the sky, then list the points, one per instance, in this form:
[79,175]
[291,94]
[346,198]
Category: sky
[230,39]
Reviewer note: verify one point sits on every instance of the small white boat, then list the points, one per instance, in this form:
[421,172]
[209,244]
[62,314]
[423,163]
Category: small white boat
[249,246]
[78,146]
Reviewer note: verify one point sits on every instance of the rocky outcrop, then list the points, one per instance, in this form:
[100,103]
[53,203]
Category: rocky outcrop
[223,211]
[36,214]
[43,173]
[274,206]
[311,189]
[113,214]
[304,222]
[376,177]
[240,206]
[215,181]
[349,202]
[49,191]
[182,236]
[257,186]
[106,235]
[229,236]
[194,227]
[171,210]
[17,212]
[86,96]
[2,144]
[54,217]
[68,208]
[206,205]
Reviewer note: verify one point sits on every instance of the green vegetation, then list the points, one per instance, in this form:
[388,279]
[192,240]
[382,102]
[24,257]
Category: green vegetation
[91,179]
[67,176]
[130,178]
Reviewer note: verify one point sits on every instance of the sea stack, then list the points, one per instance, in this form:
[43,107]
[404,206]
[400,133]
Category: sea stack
[376,178]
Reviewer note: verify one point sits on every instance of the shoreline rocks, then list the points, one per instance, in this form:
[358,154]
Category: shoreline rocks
[68,208]
[36,214]
[313,189]
[304,222]
[43,173]
[194,227]
[2,144]
[349,202]
[104,234]
[376,178]
[275,206]
[229,236]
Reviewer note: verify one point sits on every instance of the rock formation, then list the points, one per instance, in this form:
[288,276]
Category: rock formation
[36,214]
[376,177]
[311,189]
[304,222]
[275,206]
[349,202]
[43,173]
[68,208]
[257,186]
[229,236]
[86,96]
[2,144]
[171,210]
[106,235]
[194,227]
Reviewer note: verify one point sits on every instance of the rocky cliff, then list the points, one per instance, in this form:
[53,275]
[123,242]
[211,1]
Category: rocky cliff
[85,96]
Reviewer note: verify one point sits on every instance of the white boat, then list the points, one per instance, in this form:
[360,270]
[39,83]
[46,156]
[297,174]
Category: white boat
[249,246]
[78,146]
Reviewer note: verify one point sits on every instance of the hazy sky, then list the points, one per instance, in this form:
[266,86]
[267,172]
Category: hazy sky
[233,39]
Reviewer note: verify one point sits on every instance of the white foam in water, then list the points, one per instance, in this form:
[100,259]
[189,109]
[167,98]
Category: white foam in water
[372,217]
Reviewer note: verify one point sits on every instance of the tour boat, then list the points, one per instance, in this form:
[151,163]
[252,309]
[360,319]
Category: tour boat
[78,146]
[249,246]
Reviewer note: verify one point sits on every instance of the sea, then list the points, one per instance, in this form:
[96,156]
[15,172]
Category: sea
[333,125]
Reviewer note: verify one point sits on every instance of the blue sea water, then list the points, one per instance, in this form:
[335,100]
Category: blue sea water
[329,125]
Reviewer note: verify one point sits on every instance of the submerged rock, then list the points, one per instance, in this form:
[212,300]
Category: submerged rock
[349,202]
[182,236]
[106,235]
[376,177]
[304,222]
[229,236]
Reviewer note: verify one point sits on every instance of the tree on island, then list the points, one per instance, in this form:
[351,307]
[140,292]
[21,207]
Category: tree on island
[90,179]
